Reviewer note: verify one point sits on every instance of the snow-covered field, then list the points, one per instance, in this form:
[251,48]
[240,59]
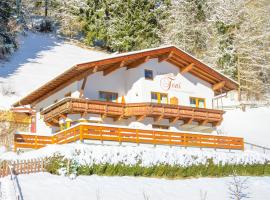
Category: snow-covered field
[148,156]
[44,186]
[39,59]
[253,125]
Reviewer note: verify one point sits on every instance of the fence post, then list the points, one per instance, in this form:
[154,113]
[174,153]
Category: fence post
[101,136]
[119,136]
[81,133]
[154,138]
[137,137]
[35,141]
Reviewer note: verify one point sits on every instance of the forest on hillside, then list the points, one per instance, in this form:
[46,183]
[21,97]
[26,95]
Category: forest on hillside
[232,36]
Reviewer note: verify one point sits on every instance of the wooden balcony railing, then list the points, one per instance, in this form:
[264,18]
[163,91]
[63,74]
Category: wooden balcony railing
[139,136]
[138,110]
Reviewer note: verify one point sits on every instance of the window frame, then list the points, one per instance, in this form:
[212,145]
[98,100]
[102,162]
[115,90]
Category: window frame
[148,78]
[197,99]
[107,92]
[158,94]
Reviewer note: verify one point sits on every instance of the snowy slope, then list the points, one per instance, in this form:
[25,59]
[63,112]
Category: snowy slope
[40,58]
[253,125]
[44,186]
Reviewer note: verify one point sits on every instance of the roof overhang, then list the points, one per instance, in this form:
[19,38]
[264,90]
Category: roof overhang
[171,54]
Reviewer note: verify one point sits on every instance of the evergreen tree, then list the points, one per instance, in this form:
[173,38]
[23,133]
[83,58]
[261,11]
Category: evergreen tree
[7,28]
[123,25]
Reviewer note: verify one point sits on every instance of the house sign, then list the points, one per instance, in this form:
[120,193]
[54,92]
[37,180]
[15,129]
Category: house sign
[170,83]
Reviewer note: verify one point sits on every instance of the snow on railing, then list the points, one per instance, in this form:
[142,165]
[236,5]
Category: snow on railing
[22,167]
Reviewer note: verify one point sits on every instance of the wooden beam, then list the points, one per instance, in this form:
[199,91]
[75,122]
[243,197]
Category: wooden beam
[49,124]
[103,116]
[140,118]
[218,86]
[165,57]
[157,119]
[203,123]
[76,78]
[187,68]
[138,62]
[118,118]
[188,121]
[174,120]
[113,67]
[63,116]
[95,69]
[55,121]
[83,87]
[217,123]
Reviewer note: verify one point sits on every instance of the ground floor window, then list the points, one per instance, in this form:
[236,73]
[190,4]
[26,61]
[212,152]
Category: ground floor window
[108,96]
[157,97]
[158,126]
[197,102]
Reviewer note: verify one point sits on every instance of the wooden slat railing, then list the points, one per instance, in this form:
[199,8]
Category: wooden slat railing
[22,166]
[112,109]
[139,136]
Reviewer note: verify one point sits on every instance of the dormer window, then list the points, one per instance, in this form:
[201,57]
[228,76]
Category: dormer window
[148,74]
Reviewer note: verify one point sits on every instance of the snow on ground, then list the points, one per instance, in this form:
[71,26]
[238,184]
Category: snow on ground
[85,154]
[44,186]
[39,59]
[253,125]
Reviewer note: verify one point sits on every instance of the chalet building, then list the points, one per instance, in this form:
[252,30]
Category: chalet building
[158,91]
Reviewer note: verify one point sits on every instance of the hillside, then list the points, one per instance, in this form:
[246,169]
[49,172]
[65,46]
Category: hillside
[39,59]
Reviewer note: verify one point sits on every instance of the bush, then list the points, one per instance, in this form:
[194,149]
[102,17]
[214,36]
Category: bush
[165,171]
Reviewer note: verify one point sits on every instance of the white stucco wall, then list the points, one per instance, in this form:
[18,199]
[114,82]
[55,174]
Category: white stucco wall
[135,88]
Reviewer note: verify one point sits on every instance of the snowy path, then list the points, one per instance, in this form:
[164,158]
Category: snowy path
[43,186]
[7,189]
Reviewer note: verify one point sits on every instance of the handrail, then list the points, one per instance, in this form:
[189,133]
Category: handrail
[15,182]
[127,110]
[258,146]
[116,134]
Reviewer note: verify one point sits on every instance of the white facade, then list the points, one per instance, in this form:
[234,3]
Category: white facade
[132,85]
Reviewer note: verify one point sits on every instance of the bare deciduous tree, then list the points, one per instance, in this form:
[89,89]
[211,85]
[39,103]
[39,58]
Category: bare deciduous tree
[238,188]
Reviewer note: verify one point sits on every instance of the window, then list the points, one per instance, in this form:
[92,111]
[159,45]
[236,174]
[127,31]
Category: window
[157,126]
[148,74]
[108,96]
[197,102]
[157,97]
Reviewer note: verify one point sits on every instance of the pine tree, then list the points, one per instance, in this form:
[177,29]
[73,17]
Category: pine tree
[123,25]
[7,28]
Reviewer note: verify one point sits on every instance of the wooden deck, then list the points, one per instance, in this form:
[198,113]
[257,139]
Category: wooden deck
[104,133]
[139,110]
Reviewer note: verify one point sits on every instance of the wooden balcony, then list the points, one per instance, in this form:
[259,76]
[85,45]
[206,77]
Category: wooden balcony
[139,110]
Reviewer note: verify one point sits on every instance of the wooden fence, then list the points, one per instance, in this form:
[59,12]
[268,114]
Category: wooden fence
[22,166]
[104,133]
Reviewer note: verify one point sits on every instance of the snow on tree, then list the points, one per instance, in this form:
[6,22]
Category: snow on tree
[123,25]
[231,35]
[8,28]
